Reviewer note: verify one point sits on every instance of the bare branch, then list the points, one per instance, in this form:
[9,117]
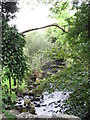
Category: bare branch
[52,25]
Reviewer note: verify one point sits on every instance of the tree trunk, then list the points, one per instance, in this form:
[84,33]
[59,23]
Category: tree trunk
[10,84]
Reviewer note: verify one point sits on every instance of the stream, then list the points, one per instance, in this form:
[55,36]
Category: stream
[49,104]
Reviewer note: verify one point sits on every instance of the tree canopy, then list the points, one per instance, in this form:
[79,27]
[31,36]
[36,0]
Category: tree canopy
[9,9]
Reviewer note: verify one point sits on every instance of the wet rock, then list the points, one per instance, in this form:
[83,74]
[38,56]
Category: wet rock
[64,93]
[8,107]
[36,99]
[33,112]
[20,108]
[31,108]
[59,105]
[24,115]
[56,106]
[52,103]
[31,94]
[35,102]
[24,104]
[19,99]
[43,109]
[41,101]
[28,107]
[32,100]
[44,105]
[55,103]
[37,105]
[42,96]
[58,101]
[25,93]
[30,97]
[16,106]
[19,102]
[19,95]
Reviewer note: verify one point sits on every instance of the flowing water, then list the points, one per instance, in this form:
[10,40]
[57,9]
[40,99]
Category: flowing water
[49,104]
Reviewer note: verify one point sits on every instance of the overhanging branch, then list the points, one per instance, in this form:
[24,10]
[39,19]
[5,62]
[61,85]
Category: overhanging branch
[51,25]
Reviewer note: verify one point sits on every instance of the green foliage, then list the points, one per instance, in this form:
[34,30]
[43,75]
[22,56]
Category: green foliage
[8,100]
[79,43]
[9,116]
[13,59]
[74,48]
[79,101]
[61,11]
[22,87]
[0,100]
[9,9]
[13,63]
[37,44]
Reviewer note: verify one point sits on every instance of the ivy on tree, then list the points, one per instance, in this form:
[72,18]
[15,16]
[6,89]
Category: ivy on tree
[13,58]
[12,52]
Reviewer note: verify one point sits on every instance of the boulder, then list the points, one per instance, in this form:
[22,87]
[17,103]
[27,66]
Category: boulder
[29,116]
[24,115]
[46,117]
[65,116]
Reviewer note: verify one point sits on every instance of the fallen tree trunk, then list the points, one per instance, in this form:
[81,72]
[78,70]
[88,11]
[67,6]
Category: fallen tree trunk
[51,25]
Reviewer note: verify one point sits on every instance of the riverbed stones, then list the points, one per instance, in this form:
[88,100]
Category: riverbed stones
[24,115]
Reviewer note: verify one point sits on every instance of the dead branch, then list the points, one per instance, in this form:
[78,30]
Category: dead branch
[52,25]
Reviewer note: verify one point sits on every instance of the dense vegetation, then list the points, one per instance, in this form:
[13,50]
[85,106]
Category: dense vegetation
[75,77]
[13,58]
[70,48]
[36,47]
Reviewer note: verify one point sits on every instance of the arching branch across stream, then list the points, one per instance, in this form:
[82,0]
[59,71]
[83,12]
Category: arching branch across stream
[51,25]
